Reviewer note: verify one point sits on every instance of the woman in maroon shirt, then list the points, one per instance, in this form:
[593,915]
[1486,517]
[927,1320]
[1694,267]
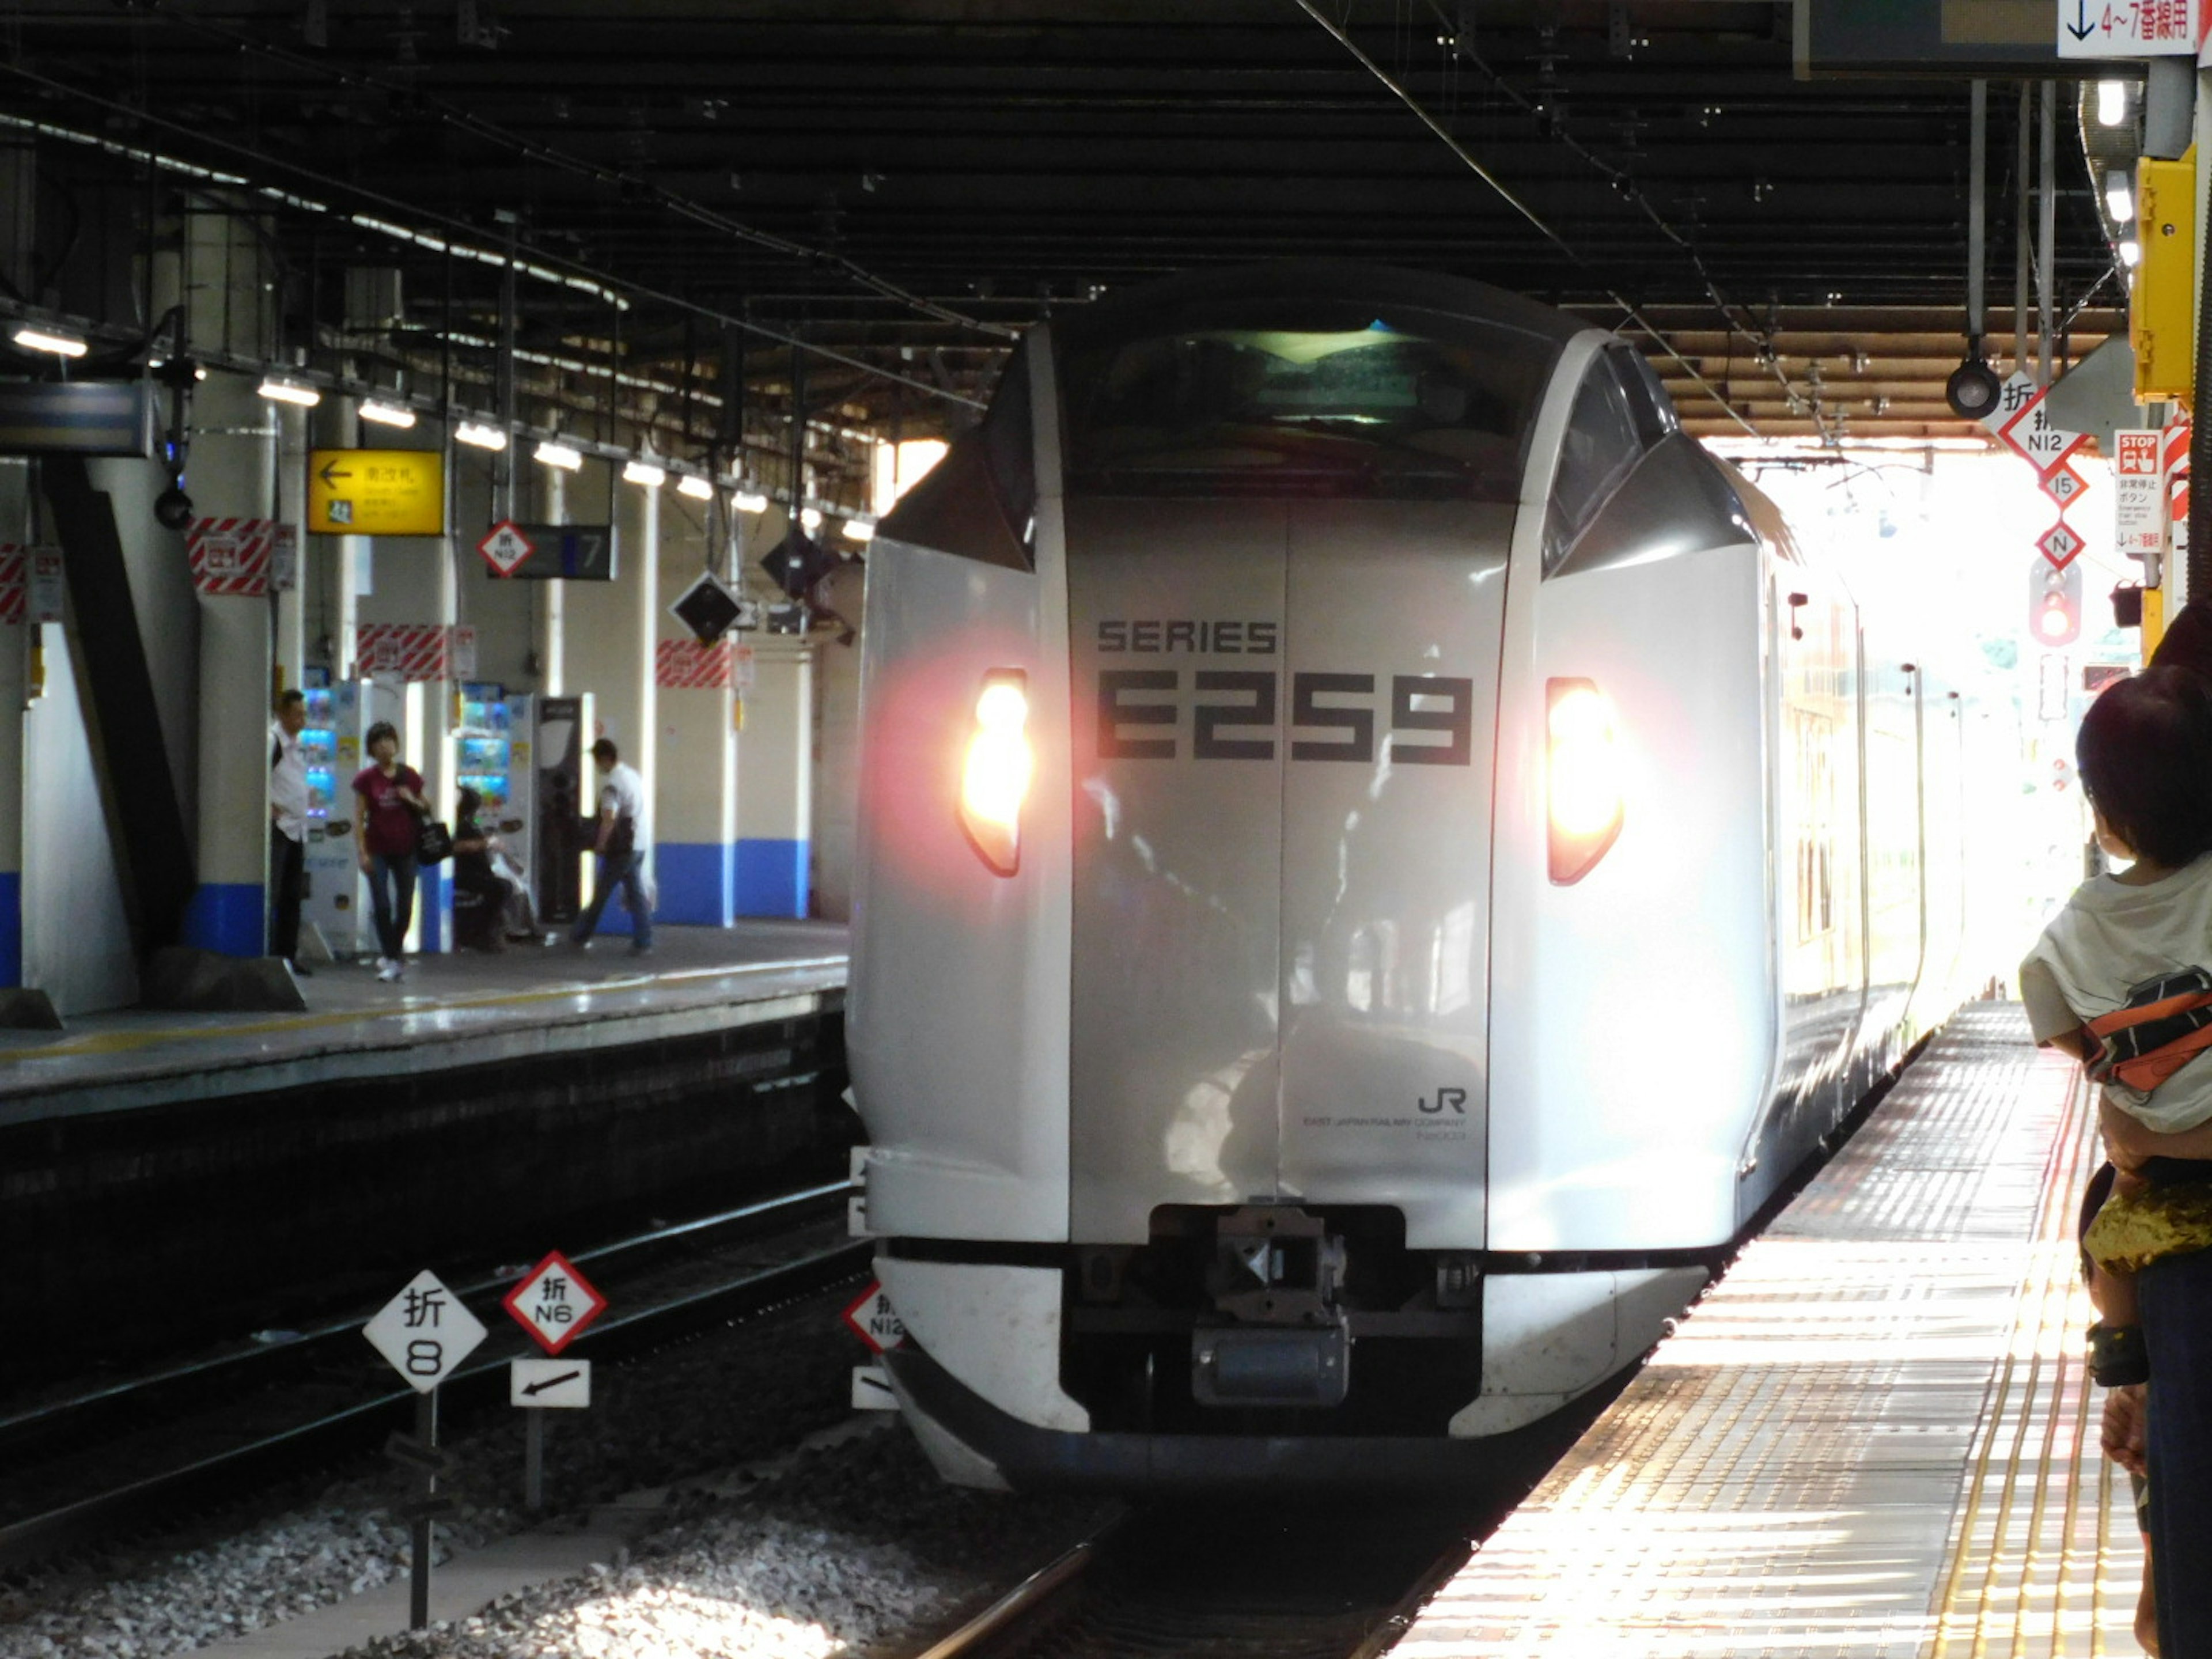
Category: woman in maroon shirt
[389,798]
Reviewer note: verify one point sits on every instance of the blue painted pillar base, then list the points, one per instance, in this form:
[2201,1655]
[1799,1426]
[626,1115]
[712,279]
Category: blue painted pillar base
[11,929]
[225,917]
[771,877]
[698,882]
[433,893]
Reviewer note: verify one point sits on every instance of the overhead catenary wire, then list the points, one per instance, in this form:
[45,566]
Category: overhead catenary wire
[1624,185]
[1535,220]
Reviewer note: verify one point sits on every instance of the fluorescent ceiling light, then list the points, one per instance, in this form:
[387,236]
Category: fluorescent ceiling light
[859,529]
[748,500]
[46,339]
[698,488]
[810,518]
[2119,198]
[645,472]
[290,391]
[2112,103]
[2130,252]
[483,437]
[559,455]
[385,414]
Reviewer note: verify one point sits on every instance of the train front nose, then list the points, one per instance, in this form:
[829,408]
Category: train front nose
[1285,714]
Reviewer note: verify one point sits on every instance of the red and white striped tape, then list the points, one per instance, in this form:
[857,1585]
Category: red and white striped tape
[14,562]
[690,664]
[413,651]
[230,555]
[2176,457]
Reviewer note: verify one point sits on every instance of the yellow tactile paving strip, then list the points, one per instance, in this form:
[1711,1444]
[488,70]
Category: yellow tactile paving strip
[1875,1437]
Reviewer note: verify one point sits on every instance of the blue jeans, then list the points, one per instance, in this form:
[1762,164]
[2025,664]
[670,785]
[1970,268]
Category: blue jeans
[2175,1296]
[629,870]
[391,896]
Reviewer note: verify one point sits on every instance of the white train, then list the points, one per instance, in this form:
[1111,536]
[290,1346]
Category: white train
[1378,855]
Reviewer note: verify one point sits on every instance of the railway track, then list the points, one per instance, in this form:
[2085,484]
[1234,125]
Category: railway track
[1225,1585]
[216,1427]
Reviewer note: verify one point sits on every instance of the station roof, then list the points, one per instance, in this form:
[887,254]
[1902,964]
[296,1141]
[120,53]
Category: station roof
[907,182]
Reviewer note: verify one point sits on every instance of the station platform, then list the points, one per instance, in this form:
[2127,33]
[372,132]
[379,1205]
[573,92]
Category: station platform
[1875,1437]
[461,1009]
[480,1111]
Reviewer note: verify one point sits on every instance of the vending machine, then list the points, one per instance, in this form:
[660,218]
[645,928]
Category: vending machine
[568,793]
[496,751]
[336,905]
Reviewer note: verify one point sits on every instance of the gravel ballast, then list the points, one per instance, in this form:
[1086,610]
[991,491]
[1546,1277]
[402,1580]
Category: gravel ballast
[726,1399]
[860,1549]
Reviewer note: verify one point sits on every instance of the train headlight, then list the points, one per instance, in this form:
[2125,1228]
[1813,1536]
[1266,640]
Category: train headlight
[995,781]
[1581,777]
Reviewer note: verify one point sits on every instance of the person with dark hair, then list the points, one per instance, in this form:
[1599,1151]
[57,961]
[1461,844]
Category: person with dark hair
[288,828]
[491,902]
[389,805]
[2120,979]
[622,816]
[2188,640]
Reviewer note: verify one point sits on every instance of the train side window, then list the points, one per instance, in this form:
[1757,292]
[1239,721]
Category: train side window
[1600,447]
[1654,410]
[980,502]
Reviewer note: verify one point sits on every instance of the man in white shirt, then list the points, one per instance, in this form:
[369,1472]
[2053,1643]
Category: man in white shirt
[622,819]
[288,827]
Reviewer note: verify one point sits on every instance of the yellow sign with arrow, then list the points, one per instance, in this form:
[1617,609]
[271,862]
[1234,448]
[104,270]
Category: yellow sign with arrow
[376,492]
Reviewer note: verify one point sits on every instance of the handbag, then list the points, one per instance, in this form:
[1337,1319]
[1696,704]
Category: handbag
[434,842]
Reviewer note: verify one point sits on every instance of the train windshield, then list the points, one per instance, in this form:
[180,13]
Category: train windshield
[1414,405]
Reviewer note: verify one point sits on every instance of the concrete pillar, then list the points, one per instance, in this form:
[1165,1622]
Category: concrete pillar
[775,795]
[291,609]
[552,658]
[233,476]
[609,630]
[696,803]
[15,694]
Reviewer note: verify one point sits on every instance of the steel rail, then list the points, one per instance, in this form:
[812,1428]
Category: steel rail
[1021,1611]
[208,1477]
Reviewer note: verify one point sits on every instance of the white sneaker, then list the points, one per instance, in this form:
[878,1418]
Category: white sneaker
[383,963]
[390,972]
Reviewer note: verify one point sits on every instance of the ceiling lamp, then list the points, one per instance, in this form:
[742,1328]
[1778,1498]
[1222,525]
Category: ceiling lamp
[750,501]
[290,391]
[2119,198]
[46,339]
[645,472]
[810,518]
[859,530]
[482,437]
[698,488]
[2112,103]
[560,455]
[2130,252]
[385,414]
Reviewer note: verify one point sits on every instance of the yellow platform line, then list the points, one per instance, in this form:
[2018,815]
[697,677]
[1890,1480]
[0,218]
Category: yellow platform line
[1992,1582]
[114,1042]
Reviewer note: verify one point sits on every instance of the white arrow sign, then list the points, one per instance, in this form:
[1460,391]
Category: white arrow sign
[424,1331]
[549,1384]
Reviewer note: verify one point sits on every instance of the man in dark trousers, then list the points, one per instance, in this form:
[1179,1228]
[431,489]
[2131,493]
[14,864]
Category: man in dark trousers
[622,859]
[288,828]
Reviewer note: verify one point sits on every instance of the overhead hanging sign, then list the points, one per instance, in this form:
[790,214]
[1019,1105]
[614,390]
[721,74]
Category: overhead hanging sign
[77,418]
[558,552]
[376,492]
[2130,28]
[505,548]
